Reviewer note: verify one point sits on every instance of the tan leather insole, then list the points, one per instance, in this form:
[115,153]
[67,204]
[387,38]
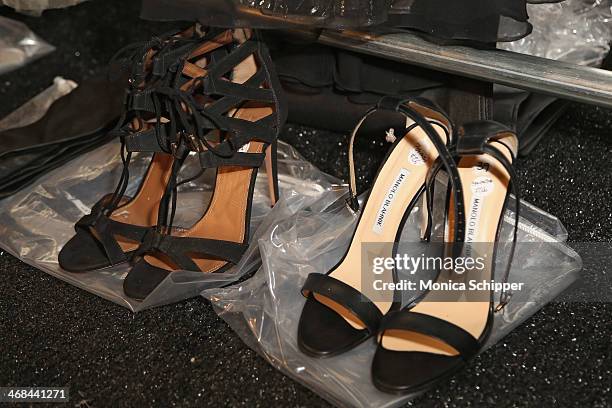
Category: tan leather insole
[143,208]
[402,175]
[492,179]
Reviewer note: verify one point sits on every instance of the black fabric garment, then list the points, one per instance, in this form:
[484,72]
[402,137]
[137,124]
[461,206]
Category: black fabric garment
[86,110]
[483,21]
[10,185]
[331,89]
[74,124]
[531,115]
[344,85]
[480,21]
[270,13]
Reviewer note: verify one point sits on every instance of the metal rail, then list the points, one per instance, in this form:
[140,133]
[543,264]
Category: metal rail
[541,75]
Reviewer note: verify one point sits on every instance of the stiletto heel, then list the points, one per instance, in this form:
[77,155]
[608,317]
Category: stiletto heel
[338,314]
[430,341]
[272,172]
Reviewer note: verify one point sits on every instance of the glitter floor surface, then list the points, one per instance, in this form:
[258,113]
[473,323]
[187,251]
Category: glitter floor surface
[52,334]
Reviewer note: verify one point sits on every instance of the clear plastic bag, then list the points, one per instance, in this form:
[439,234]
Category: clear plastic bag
[576,31]
[312,236]
[270,13]
[36,107]
[19,45]
[36,7]
[36,222]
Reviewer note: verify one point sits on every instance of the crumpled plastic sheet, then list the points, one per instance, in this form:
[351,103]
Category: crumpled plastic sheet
[311,236]
[271,13]
[35,108]
[36,222]
[36,7]
[575,31]
[19,45]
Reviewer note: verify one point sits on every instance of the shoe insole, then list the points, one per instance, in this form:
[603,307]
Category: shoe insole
[142,210]
[485,184]
[396,185]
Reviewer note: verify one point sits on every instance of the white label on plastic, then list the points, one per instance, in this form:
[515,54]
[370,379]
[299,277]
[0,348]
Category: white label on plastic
[385,208]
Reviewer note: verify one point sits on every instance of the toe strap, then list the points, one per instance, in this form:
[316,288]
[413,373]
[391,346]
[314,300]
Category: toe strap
[345,295]
[454,336]
[179,249]
[104,229]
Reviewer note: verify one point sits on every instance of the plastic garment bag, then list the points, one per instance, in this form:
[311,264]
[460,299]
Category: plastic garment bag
[19,45]
[312,237]
[576,31]
[36,222]
[36,7]
[481,21]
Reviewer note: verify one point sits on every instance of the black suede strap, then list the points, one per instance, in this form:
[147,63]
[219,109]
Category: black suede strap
[225,98]
[104,230]
[231,95]
[147,141]
[178,249]
[210,160]
[474,137]
[345,295]
[163,61]
[140,100]
[454,336]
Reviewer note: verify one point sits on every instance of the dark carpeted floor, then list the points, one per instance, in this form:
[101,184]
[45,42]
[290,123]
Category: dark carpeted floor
[52,334]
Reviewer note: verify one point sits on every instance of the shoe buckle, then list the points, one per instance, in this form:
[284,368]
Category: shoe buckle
[353,204]
[503,301]
[195,144]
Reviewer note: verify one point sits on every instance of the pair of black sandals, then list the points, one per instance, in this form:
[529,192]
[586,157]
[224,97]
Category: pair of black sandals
[421,341]
[209,94]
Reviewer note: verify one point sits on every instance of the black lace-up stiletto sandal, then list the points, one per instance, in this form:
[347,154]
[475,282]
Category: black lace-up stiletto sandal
[116,226]
[339,312]
[230,115]
[421,345]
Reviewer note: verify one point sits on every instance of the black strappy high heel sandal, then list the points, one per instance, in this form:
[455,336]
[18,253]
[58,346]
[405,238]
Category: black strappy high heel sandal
[421,345]
[116,226]
[236,98]
[338,314]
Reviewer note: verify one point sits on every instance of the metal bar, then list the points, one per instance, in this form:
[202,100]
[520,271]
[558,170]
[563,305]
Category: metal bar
[541,75]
